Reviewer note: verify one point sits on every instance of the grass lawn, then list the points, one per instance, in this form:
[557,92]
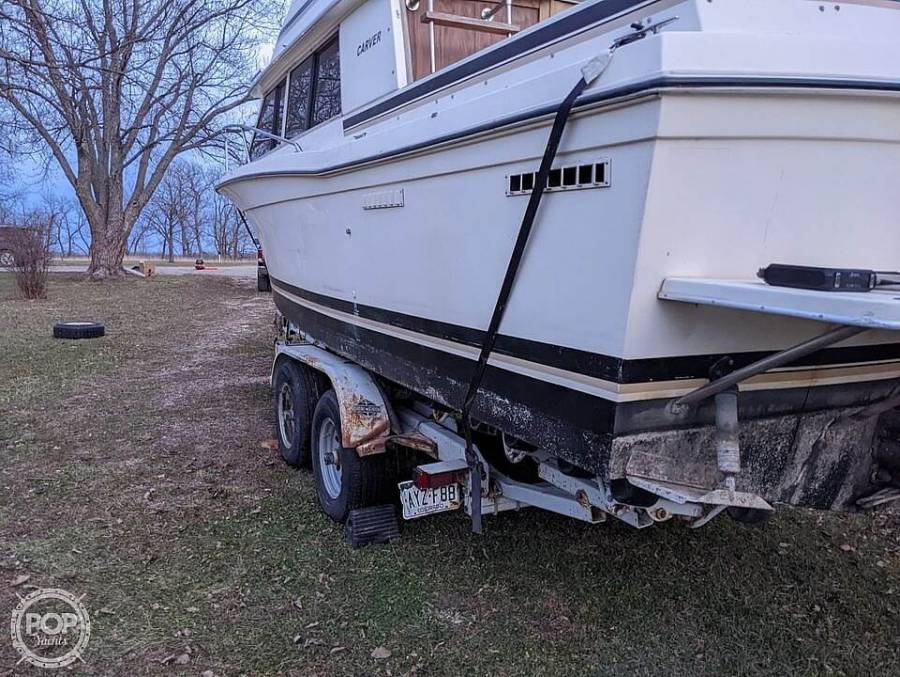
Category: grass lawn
[132,471]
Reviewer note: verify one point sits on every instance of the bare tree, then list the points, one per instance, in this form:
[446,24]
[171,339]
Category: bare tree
[31,245]
[69,226]
[187,217]
[166,214]
[228,233]
[117,89]
[138,239]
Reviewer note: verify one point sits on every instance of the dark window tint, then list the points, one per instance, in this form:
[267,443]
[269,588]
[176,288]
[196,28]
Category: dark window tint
[313,96]
[299,98]
[278,118]
[270,116]
[327,100]
[266,115]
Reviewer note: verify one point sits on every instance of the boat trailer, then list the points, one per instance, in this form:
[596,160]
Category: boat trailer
[372,424]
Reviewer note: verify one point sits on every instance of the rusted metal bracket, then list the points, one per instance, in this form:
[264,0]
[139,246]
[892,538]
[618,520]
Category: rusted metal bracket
[410,440]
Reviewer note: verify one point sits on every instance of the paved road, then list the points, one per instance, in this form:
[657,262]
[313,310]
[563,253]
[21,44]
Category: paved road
[248,270]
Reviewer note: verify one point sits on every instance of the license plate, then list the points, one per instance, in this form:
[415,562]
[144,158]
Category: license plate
[420,502]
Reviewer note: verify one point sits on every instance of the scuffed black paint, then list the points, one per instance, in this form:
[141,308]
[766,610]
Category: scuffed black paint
[798,458]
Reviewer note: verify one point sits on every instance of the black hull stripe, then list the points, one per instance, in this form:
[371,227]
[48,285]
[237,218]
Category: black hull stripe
[574,425]
[596,365]
[562,420]
[606,96]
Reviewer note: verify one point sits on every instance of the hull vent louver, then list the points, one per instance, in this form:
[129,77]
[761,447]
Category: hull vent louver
[573,177]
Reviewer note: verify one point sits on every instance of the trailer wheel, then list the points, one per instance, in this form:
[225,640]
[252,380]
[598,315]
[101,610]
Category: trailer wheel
[344,479]
[295,397]
[262,282]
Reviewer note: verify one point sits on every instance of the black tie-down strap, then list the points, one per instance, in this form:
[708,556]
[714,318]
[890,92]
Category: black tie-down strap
[247,228]
[487,346]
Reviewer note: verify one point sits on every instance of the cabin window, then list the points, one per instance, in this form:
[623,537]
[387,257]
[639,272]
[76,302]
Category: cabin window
[327,101]
[314,92]
[299,101]
[311,95]
[270,118]
[278,117]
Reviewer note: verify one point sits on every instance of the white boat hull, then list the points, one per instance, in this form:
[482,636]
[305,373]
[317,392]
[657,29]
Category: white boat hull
[708,180]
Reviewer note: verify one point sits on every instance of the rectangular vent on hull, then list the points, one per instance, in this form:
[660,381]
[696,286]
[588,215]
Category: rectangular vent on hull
[384,199]
[574,177]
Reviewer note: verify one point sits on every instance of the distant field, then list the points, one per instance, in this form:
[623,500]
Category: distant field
[132,471]
[178,261]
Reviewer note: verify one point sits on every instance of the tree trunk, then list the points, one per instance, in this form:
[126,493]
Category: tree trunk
[107,253]
[109,223]
[171,244]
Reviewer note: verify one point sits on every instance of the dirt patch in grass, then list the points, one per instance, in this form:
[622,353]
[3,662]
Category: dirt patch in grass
[132,471]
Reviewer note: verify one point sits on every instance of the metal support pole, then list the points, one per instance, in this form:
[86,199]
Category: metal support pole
[728,448]
[766,363]
[431,36]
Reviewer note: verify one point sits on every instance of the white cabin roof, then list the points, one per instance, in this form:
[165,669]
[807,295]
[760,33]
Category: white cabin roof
[298,20]
[303,18]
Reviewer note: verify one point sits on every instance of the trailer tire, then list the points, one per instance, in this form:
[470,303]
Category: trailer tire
[295,398]
[262,282]
[345,480]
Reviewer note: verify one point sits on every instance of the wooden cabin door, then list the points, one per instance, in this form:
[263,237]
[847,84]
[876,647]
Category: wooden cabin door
[455,38]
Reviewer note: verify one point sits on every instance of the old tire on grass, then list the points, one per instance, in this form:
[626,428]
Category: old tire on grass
[344,479]
[7,258]
[295,400]
[78,330]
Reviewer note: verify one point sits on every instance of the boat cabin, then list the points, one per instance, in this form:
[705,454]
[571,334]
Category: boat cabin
[337,56]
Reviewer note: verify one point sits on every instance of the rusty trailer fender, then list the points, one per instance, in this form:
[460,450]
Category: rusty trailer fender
[365,415]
